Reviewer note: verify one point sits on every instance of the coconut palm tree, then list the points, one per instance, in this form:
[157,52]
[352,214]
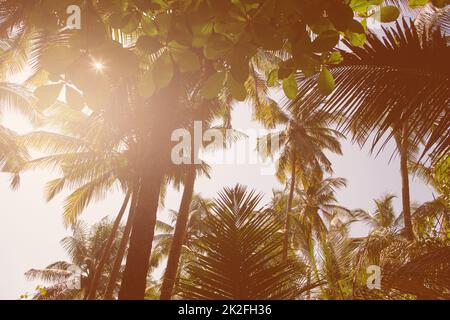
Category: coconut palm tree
[315,216]
[84,247]
[164,240]
[335,260]
[238,256]
[13,154]
[432,218]
[206,112]
[116,269]
[409,268]
[404,264]
[301,146]
[387,92]
[91,163]
[384,215]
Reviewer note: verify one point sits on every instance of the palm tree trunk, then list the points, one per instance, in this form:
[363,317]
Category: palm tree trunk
[154,157]
[403,149]
[178,237]
[121,250]
[134,278]
[287,226]
[90,293]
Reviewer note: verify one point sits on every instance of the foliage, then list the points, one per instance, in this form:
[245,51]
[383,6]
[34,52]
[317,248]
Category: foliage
[239,253]
[385,87]
[68,280]
[113,91]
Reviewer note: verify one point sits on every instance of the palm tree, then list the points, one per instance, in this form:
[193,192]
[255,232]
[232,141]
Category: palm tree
[385,89]
[22,39]
[106,253]
[409,268]
[406,151]
[12,153]
[384,215]
[179,236]
[316,212]
[93,157]
[405,265]
[335,252]
[84,247]
[207,112]
[238,256]
[164,240]
[301,146]
[432,218]
[115,272]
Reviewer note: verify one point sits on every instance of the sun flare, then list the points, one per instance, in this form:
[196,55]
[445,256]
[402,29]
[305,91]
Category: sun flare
[98,66]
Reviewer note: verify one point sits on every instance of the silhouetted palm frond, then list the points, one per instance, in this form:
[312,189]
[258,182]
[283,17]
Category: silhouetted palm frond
[426,276]
[393,79]
[240,253]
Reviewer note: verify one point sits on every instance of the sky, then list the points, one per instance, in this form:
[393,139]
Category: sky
[31,229]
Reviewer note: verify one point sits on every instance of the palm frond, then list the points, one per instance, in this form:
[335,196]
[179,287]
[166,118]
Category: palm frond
[239,255]
[76,202]
[393,79]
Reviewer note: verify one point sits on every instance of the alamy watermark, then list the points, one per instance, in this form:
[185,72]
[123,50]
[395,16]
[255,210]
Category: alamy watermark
[374,278]
[74,280]
[225,147]
[74,19]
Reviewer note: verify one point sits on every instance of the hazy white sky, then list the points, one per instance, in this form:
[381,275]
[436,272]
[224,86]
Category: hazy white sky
[30,228]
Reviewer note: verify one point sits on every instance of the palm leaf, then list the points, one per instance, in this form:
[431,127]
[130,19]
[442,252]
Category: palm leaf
[239,256]
[393,79]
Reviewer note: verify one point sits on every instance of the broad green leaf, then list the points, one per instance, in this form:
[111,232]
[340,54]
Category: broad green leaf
[356,39]
[334,58]
[388,14]
[48,94]
[417,3]
[326,82]
[356,27]
[213,85]
[148,44]
[266,36]
[229,28]
[285,68]
[237,89]
[217,47]
[325,41]
[290,86]
[361,6]
[132,21]
[201,33]
[239,66]
[163,70]
[186,60]
[340,15]
[149,26]
[272,78]
[301,46]
[54,77]
[74,99]
[163,22]
[179,32]
[321,25]
[308,63]
[146,86]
